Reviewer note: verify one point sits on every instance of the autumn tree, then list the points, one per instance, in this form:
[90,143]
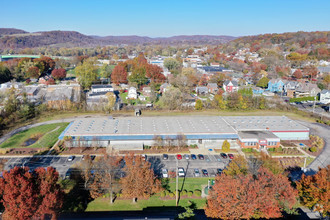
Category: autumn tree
[27,195]
[225,146]
[171,64]
[314,191]
[59,73]
[155,73]
[138,76]
[199,104]
[140,180]
[119,75]
[86,73]
[297,74]
[310,71]
[5,74]
[264,195]
[237,166]
[263,82]
[33,72]
[111,101]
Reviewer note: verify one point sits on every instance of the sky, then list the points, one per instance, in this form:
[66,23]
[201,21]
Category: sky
[167,17]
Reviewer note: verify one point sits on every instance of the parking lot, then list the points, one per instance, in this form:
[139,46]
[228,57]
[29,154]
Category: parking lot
[61,164]
[211,163]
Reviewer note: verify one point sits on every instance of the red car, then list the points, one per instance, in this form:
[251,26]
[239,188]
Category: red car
[231,156]
[179,156]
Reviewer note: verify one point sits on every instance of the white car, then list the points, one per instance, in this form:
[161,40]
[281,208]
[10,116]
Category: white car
[181,172]
[70,158]
[196,172]
[164,173]
[186,156]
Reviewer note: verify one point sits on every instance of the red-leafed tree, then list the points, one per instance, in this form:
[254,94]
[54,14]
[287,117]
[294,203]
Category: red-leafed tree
[264,195]
[27,195]
[50,193]
[141,60]
[119,75]
[33,72]
[297,74]
[50,81]
[310,71]
[59,73]
[45,64]
[140,180]
[155,73]
[314,191]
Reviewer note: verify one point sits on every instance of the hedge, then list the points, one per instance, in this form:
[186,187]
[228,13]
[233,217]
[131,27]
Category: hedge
[302,99]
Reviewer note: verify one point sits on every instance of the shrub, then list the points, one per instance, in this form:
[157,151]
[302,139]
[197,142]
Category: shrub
[184,192]
[313,149]
[171,195]
[167,193]
[190,193]
[225,146]
[36,136]
[197,192]
[163,194]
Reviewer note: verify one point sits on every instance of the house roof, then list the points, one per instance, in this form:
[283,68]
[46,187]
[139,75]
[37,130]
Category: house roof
[101,86]
[259,135]
[212,85]
[325,91]
[234,82]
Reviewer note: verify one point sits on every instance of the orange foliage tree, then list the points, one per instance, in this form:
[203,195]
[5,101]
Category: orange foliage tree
[140,180]
[314,191]
[264,195]
[27,195]
[119,75]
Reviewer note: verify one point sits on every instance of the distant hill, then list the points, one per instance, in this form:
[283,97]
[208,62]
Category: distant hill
[18,39]
[9,31]
[304,39]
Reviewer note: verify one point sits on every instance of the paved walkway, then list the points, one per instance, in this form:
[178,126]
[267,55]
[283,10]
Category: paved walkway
[323,159]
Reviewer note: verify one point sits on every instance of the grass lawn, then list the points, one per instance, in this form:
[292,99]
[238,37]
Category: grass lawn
[190,184]
[123,97]
[47,140]
[102,204]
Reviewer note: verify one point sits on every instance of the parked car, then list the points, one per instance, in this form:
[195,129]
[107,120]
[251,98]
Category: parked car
[231,156]
[196,172]
[165,157]
[205,173]
[219,171]
[223,155]
[193,157]
[93,157]
[68,174]
[201,156]
[181,172]
[179,156]
[186,156]
[165,173]
[144,157]
[71,158]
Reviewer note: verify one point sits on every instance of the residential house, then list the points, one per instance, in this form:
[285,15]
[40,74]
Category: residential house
[146,91]
[290,88]
[202,90]
[230,86]
[213,88]
[325,96]
[132,93]
[257,91]
[101,88]
[275,85]
[164,87]
[307,89]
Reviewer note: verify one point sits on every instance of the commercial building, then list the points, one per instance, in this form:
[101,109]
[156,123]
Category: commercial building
[204,131]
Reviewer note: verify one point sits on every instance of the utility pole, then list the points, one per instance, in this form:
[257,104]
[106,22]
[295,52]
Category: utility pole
[314,104]
[177,184]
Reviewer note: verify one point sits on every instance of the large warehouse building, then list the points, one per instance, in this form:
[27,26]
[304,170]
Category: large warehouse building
[205,131]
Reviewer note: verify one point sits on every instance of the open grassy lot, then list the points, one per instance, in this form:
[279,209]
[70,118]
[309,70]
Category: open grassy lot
[46,116]
[47,136]
[102,204]
[189,184]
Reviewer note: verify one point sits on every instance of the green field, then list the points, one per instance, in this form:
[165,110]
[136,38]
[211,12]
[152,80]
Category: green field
[189,184]
[102,204]
[49,135]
